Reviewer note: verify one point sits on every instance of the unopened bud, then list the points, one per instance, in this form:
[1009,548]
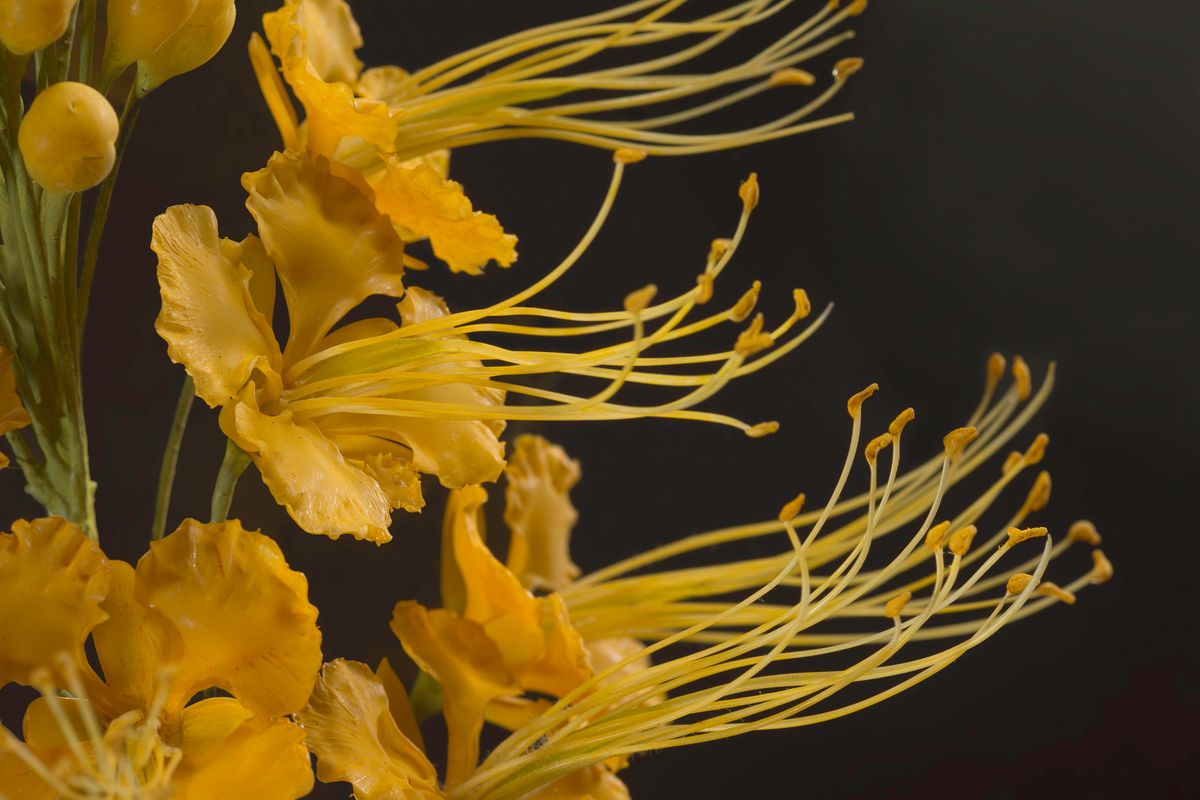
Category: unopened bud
[136,28]
[29,25]
[197,40]
[68,137]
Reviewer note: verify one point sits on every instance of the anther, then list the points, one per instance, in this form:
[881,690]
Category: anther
[745,305]
[995,369]
[718,249]
[790,77]
[762,429]
[960,540]
[903,418]
[792,509]
[628,155]
[748,191]
[803,306]
[875,445]
[1020,371]
[1017,583]
[957,439]
[1084,531]
[1057,592]
[856,8]
[936,535]
[854,404]
[1018,535]
[845,68]
[753,340]
[1039,494]
[1013,461]
[1037,450]
[1102,568]
[636,302]
[705,281]
[897,604]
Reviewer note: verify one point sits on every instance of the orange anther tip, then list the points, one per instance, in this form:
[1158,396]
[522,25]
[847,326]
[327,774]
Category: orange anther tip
[1039,493]
[628,155]
[412,262]
[752,340]
[960,540]
[936,535]
[749,192]
[854,404]
[875,445]
[790,77]
[705,283]
[897,604]
[1023,378]
[995,369]
[1013,461]
[1102,568]
[1037,450]
[718,249]
[1017,583]
[636,302]
[1057,592]
[1084,531]
[746,304]
[957,439]
[903,418]
[856,8]
[762,429]
[792,509]
[1018,535]
[803,306]
[846,67]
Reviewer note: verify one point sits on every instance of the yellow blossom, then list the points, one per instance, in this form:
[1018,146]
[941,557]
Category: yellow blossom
[13,415]
[341,421]
[208,606]
[394,129]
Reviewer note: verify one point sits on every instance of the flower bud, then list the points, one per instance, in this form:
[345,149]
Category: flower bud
[192,45]
[28,25]
[68,137]
[136,28]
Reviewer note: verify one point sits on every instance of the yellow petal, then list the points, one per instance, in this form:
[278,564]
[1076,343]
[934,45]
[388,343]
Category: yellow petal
[330,38]
[12,413]
[231,754]
[511,713]
[307,475]
[133,644]
[208,316]
[18,780]
[539,513]
[52,582]
[399,704]
[422,201]
[243,616]
[356,739]
[535,636]
[596,782]
[387,84]
[251,254]
[605,653]
[389,464]
[465,661]
[330,246]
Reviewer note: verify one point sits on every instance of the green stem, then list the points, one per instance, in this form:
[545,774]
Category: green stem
[232,467]
[170,459]
[91,253]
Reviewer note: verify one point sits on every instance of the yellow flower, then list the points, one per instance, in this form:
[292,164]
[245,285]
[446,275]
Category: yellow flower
[342,421]
[740,660]
[13,415]
[208,606]
[395,129]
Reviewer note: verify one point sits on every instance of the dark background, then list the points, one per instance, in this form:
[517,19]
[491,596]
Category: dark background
[1021,177]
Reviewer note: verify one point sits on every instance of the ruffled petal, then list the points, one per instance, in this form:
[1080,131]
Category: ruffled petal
[243,616]
[330,246]
[18,779]
[331,36]
[231,754]
[605,653]
[12,413]
[466,662]
[539,513]
[425,204]
[399,704]
[307,474]
[355,737]
[208,316]
[52,582]
[389,464]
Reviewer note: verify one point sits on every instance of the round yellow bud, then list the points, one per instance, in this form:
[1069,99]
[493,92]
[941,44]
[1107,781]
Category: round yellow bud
[28,25]
[68,137]
[136,28]
[192,45]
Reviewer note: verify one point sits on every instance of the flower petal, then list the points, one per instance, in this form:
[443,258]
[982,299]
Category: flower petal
[539,513]
[330,246]
[208,317]
[307,475]
[330,38]
[423,202]
[231,754]
[399,704]
[52,582]
[243,616]
[596,782]
[356,739]
[12,413]
[17,779]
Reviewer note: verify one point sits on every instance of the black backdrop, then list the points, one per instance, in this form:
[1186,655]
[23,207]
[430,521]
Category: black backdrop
[1021,177]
